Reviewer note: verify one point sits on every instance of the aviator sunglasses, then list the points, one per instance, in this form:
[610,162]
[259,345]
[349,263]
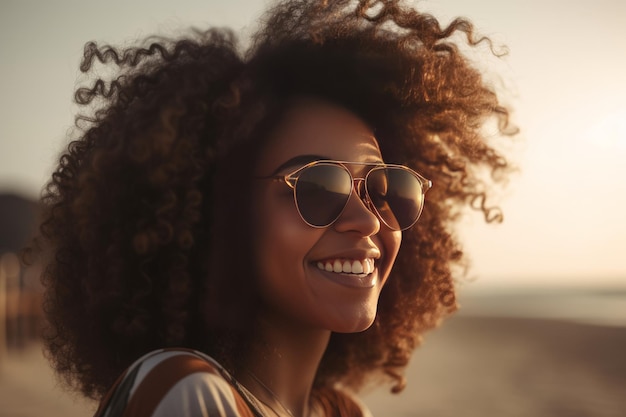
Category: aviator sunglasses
[321,189]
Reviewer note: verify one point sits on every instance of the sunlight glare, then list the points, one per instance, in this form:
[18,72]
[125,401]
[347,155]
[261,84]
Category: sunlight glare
[610,131]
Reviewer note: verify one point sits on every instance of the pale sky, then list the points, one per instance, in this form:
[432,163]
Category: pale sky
[565,74]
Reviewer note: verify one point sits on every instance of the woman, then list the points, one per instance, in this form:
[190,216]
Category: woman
[236,233]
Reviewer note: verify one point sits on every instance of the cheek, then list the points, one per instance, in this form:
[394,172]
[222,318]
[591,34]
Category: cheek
[390,241]
[282,243]
[282,239]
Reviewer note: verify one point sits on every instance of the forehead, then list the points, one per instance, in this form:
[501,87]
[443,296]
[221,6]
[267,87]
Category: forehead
[314,127]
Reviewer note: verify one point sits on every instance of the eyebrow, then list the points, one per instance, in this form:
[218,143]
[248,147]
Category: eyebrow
[298,161]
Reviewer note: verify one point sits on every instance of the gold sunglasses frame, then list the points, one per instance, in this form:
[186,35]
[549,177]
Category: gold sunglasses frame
[291,179]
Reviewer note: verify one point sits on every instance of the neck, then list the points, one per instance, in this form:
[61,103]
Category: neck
[280,366]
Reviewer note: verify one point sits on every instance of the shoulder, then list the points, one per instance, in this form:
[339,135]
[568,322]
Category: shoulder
[365,411]
[355,401]
[175,382]
[340,402]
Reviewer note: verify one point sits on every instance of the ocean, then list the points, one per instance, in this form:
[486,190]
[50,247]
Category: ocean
[604,307]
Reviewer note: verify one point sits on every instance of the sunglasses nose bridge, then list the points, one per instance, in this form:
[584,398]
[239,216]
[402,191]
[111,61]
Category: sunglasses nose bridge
[359,189]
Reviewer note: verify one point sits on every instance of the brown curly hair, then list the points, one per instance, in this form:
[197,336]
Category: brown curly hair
[147,214]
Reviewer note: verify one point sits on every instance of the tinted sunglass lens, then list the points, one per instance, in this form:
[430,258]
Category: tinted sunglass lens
[397,195]
[322,192]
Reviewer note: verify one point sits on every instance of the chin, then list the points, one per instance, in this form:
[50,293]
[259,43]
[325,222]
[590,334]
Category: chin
[359,324]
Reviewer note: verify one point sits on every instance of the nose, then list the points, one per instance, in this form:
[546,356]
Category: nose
[358,216]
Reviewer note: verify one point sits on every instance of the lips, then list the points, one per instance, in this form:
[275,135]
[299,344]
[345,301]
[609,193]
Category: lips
[359,267]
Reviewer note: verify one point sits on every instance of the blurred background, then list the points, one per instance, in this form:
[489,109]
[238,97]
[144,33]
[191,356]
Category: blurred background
[542,325]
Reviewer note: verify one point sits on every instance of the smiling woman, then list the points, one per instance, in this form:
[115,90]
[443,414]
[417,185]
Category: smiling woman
[289,249]
[255,233]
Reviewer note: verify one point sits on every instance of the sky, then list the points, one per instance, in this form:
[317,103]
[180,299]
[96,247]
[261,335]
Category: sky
[565,77]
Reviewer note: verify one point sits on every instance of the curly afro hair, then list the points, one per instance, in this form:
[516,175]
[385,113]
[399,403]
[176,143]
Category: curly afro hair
[143,230]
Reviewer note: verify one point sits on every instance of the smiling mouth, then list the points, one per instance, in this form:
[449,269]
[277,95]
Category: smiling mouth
[356,267]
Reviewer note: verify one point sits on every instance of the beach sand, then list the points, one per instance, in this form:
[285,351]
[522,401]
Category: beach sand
[509,367]
[471,366]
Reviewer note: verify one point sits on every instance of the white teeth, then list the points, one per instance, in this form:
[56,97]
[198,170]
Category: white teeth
[357,267]
[368,266]
[347,266]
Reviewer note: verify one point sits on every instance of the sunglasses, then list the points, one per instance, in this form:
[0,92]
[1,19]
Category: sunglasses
[321,189]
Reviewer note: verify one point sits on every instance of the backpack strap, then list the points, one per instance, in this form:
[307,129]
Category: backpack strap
[117,395]
[152,389]
[154,386]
